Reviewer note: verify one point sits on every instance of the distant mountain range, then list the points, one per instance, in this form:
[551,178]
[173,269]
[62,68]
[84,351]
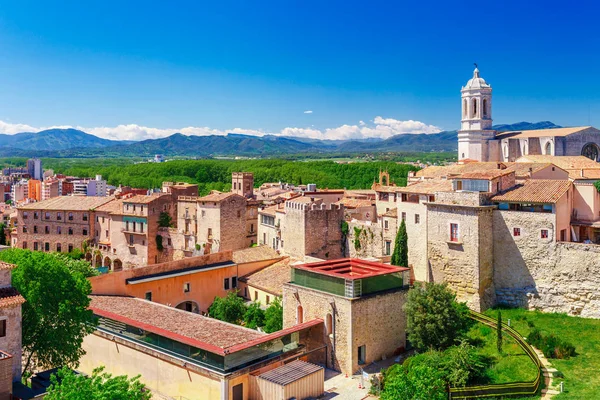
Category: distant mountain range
[75,143]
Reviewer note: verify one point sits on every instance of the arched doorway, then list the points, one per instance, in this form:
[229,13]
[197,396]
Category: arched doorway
[117,265]
[590,151]
[189,306]
[106,262]
[98,260]
[548,149]
[88,257]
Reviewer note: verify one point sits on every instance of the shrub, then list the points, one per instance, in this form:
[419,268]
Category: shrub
[274,316]
[254,316]
[552,346]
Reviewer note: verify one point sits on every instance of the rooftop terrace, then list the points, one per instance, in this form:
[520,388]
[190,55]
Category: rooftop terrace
[350,268]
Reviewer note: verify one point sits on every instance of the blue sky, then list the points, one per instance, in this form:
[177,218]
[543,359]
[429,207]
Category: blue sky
[132,70]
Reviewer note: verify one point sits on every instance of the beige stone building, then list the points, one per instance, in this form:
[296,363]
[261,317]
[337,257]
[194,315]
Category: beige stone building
[59,224]
[361,305]
[10,329]
[221,219]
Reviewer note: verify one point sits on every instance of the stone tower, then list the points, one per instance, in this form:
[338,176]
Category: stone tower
[476,137]
[242,183]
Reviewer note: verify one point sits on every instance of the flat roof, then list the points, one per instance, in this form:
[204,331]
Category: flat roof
[350,268]
[290,372]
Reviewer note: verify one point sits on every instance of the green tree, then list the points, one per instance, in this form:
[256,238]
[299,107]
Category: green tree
[165,220]
[229,309]
[400,254]
[435,320]
[274,316]
[67,385]
[499,333]
[55,315]
[2,234]
[414,381]
[254,316]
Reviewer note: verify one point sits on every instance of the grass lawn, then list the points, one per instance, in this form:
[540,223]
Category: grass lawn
[513,365]
[581,373]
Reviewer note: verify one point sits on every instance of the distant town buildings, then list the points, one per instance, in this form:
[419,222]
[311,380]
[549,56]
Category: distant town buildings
[34,169]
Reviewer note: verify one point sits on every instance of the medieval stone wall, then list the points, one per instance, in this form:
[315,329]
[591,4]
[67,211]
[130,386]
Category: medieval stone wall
[369,242]
[323,231]
[11,343]
[416,229]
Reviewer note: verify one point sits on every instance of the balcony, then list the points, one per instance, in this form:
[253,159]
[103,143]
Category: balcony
[132,232]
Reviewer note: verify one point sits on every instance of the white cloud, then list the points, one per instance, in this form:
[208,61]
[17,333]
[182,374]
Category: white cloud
[379,127]
[308,112]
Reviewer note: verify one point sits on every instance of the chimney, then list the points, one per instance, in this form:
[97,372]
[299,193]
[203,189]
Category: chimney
[582,173]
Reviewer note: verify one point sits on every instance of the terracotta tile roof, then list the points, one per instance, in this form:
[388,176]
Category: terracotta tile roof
[217,196]
[7,266]
[10,297]
[114,206]
[457,169]
[535,191]
[144,199]
[269,210]
[428,186]
[376,187]
[252,254]
[584,173]
[68,203]
[304,199]
[270,279]
[171,322]
[543,132]
[564,162]
[522,169]
[355,203]
[393,213]
[490,174]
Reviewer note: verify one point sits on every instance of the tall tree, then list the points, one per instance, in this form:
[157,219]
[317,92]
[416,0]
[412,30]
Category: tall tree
[229,309]
[55,315]
[100,386]
[400,254]
[2,234]
[499,333]
[274,316]
[435,320]
[254,316]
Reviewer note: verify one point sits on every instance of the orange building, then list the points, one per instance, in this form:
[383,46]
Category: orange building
[35,189]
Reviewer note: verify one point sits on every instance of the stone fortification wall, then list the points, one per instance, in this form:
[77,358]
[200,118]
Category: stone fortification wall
[416,229]
[370,240]
[324,231]
[539,273]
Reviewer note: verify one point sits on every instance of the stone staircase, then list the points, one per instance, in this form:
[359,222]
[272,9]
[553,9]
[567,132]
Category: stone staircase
[549,372]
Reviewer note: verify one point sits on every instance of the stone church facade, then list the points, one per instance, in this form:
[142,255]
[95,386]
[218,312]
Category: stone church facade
[478,141]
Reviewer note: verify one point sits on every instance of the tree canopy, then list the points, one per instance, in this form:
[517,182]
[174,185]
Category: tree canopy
[55,315]
[274,316]
[229,309]
[67,385]
[435,320]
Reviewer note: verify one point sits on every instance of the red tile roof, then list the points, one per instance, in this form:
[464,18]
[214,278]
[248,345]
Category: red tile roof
[217,197]
[270,279]
[9,297]
[428,186]
[350,268]
[535,191]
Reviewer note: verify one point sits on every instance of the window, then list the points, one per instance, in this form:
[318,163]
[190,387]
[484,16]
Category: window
[46,246]
[70,248]
[59,230]
[239,214]
[516,231]
[35,229]
[47,215]
[85,216]
[386,224]
[70,216]
[126,225]
[186,287]
[59,216]
[203,213]
[454,232]
[234,282]
[106,233]
[70,231]
[47,230]
[58,247]
[251,228]
[474,108]
[388,247]
[25,214]
[484,107]
[131,240]
[35,245]
[24,245]
[255,295]
[417,219]
[329,324]
[148,296]
[226,284]
[544,234]
[24,229]
[299,315]
[563,235]
[36,215]
[84,232]
[3,328]
[404,216]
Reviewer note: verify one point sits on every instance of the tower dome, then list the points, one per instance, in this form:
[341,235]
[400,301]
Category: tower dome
[476,82]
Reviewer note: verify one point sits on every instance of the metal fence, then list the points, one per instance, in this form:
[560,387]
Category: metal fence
[506,389]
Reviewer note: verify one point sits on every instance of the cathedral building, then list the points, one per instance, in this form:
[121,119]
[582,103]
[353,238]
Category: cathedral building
[477,140]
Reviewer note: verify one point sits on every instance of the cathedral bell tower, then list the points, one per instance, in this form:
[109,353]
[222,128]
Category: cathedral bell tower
[476,123]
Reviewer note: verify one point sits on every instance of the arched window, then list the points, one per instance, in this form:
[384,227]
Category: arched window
[474,108]
[484,108]
[524,150]
[463,156]
[465,108]
[505,151]
[548,149]
[590,151]
[299,315]
[329,324]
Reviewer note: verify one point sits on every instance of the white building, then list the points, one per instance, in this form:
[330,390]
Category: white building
[34,168]
[90,187]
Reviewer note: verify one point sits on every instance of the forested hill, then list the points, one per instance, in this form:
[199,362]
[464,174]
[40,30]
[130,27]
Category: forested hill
[74,143]
[216,174]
